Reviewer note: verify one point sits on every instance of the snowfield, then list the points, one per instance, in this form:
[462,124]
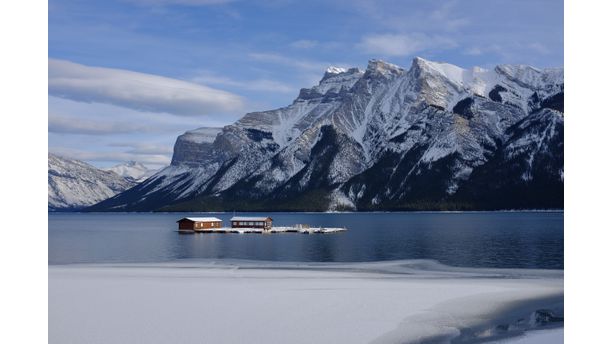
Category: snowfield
[259,302]
[537,337]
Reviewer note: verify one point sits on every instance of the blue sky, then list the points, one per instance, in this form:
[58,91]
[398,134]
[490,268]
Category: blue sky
[128,76]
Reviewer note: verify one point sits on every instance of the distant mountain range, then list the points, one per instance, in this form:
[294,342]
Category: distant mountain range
[431,137]
[132,170]
[74,184]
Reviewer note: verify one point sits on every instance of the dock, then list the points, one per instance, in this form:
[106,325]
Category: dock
[247,224]
[301,230]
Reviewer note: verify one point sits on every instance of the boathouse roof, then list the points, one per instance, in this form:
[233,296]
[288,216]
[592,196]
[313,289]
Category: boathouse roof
[249,218]
[201,219]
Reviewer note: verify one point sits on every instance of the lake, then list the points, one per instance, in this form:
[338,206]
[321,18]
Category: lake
[468,239]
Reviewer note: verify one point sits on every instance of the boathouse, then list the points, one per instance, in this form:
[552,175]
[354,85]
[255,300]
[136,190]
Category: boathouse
[251,222]
[198,223]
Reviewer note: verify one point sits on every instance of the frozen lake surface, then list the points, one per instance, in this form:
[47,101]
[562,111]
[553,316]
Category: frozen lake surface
[391,278]
[408,301]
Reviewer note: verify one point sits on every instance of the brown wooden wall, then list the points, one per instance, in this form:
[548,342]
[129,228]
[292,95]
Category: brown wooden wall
[185,224]
[199,225]
[256,224]
[207,225]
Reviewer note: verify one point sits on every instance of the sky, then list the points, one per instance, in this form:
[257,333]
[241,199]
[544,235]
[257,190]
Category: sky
[126,77]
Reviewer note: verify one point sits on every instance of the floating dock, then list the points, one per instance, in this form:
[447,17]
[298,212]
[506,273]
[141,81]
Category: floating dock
[302,230]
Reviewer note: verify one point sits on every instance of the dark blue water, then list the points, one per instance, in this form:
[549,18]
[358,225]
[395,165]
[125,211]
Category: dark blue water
[504,240]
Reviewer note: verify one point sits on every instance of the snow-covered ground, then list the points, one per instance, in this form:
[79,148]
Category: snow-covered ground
[554,336]
[258,302]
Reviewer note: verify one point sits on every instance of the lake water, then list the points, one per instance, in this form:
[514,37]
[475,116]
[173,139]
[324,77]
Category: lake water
[479,239]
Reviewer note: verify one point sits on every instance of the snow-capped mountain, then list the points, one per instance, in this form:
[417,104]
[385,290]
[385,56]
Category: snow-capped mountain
[74,184]
[132,170]
[434,136]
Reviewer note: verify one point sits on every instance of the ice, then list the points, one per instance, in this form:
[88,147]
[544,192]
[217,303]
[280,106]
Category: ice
[536,337]
[265,302]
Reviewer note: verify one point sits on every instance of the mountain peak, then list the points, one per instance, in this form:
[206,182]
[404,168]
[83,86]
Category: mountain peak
[419,60]
[450,71]
[131,169]
[334,81]
[335,70]
[387,138]
[383,67]
[74,184]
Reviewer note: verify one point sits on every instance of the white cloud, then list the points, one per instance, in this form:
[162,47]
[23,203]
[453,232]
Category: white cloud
[403,44]
[72,125]
[511,52]
[118,134]
[262,85]
[145,148]
[307,72]
[496,31]
[288,61]
[140,91]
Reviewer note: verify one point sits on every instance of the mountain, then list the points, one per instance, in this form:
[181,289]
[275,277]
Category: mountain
[74,184]
[132,170]
[431,137]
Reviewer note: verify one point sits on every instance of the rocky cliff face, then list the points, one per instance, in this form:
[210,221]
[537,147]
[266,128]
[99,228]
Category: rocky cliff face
[74,185]
[194,146]
[434,136]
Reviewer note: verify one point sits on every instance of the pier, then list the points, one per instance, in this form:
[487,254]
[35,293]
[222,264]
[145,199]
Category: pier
[247,224]
[293,229]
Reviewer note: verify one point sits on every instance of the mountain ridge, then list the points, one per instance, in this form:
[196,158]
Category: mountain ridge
[386,138]
[133,170]
[74,184]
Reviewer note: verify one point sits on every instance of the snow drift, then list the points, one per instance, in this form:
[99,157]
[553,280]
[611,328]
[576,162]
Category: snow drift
[238,301]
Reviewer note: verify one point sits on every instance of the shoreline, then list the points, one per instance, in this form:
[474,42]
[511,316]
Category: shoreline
[537,336]
[431,264]
[378,302]
[316,212]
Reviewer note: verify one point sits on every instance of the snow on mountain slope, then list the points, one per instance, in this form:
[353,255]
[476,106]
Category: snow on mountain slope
[132,169]
[383,138]
[74,184]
